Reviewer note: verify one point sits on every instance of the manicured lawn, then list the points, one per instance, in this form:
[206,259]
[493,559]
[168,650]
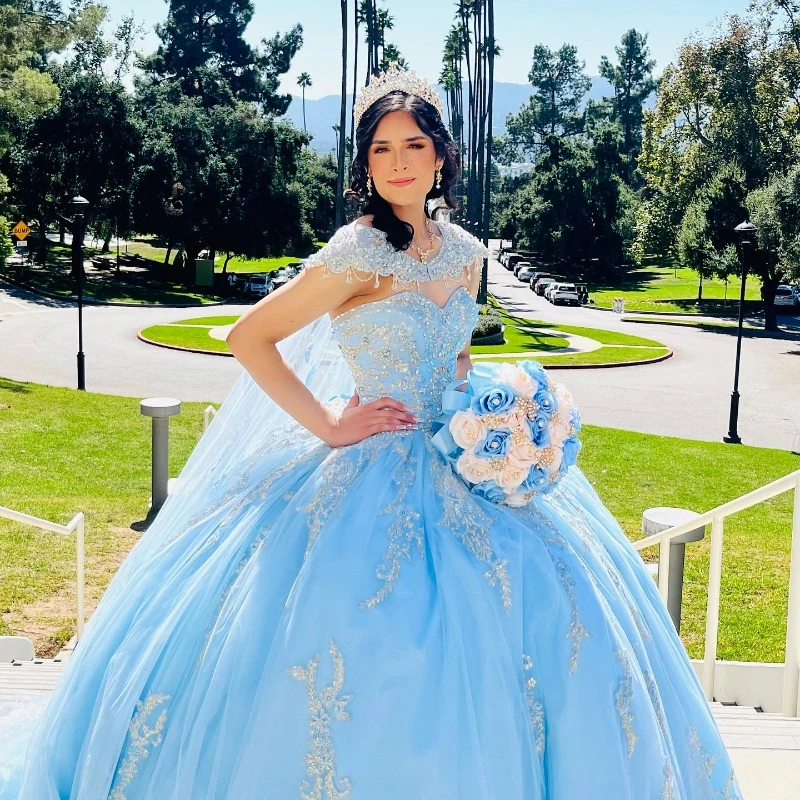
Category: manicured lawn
[183,336]
[659,287]
[603,355]
[65,451]
[105,288]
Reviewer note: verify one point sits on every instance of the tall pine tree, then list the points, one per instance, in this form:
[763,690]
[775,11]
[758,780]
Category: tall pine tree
[203,51]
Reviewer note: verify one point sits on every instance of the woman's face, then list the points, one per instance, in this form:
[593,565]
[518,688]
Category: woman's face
[402,160]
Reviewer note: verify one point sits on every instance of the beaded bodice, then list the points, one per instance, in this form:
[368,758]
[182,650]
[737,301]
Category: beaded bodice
[404,346]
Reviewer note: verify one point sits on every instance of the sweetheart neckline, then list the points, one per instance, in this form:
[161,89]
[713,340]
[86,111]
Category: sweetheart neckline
[407,292]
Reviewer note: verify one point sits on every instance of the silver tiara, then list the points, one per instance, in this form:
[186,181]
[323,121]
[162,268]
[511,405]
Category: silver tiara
[396,79]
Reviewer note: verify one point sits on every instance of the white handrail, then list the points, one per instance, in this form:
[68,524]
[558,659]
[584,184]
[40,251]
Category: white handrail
[77,524]
[791,675]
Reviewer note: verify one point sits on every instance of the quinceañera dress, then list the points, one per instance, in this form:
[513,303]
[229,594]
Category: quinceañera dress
[321,623]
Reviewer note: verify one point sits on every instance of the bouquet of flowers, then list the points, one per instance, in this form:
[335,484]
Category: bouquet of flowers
[511,434]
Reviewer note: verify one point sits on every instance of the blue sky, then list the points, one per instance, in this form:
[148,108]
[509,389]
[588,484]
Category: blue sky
[421,26]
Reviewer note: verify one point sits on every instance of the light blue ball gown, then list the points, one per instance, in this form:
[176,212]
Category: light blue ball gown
[321,623]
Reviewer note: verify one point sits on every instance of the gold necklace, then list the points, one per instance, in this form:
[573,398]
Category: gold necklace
[423,254]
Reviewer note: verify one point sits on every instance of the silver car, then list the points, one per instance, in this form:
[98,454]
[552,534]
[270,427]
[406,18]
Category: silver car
[786,295]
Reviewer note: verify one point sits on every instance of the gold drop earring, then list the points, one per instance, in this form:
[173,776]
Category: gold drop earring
[438,177]
[369,184]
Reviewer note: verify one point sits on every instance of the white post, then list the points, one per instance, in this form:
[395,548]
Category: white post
[712,609]
[79,537]
[208,416]
[791,673]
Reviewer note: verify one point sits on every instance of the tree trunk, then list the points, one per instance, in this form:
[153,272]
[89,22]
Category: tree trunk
[355,81]
[487,200]
[700,289]
[42,254]
[342,122]
[61,231]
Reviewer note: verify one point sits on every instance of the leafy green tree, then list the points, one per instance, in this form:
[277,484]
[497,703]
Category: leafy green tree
[775,209]
[707,240]
[559,84]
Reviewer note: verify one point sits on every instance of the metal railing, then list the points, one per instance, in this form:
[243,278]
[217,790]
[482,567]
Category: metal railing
[791,675]
[77,524]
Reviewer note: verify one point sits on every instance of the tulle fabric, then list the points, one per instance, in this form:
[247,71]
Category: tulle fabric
[286,649]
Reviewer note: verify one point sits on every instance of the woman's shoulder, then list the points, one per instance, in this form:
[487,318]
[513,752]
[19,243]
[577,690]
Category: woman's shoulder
[348,248]
[464,240]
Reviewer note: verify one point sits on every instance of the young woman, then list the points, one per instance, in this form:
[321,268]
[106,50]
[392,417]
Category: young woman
[324,611]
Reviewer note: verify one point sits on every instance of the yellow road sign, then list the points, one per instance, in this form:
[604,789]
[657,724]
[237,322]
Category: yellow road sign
[20,230]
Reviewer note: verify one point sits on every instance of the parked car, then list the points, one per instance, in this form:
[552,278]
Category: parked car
[260,285]
[786,295]
[520,265]
[542,284]
[513,259]
[539,274]
[524,275]
[563,293]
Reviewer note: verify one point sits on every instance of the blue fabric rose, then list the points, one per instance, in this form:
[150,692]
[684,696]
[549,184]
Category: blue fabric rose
[495,445]
[489,490]
[571,449]
[496,399]
[540,430]
[536,480]
[535,370]
[547,403]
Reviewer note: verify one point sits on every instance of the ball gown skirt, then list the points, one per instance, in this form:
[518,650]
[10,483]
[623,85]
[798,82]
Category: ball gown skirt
[351,622]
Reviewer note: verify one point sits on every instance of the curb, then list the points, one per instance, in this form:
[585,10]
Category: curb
[71,298]
[183,349]
[611,364]
[755,333]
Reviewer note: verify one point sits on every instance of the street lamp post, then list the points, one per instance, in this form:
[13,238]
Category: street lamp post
[747,232]
[79,205]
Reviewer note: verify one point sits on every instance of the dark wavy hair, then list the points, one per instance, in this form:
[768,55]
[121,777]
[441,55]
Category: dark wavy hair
[400,234]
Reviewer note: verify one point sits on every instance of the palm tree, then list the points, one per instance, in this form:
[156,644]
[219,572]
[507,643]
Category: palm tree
[340,134]
[358,18]
[304,79]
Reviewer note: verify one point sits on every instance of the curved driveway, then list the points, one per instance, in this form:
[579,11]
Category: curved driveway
[687,395]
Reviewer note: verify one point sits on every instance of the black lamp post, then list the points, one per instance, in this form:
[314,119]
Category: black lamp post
[747,233]
[79,205]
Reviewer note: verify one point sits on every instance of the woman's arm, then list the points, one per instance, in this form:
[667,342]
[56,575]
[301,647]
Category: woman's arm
[253,339]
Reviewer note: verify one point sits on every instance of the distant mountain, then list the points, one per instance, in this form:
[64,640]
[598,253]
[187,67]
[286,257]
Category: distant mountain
[323,113]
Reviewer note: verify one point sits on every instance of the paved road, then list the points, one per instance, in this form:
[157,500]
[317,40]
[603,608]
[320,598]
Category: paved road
[686,396]
[689,394]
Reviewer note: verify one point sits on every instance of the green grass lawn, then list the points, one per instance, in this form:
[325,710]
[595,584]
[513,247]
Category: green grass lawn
[65,451]
[520,335]
[660,287]
[184,336]
[104,287]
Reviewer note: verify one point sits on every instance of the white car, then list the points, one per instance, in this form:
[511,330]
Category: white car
[566,293]
[786,295]
[259,284]
[525,274]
